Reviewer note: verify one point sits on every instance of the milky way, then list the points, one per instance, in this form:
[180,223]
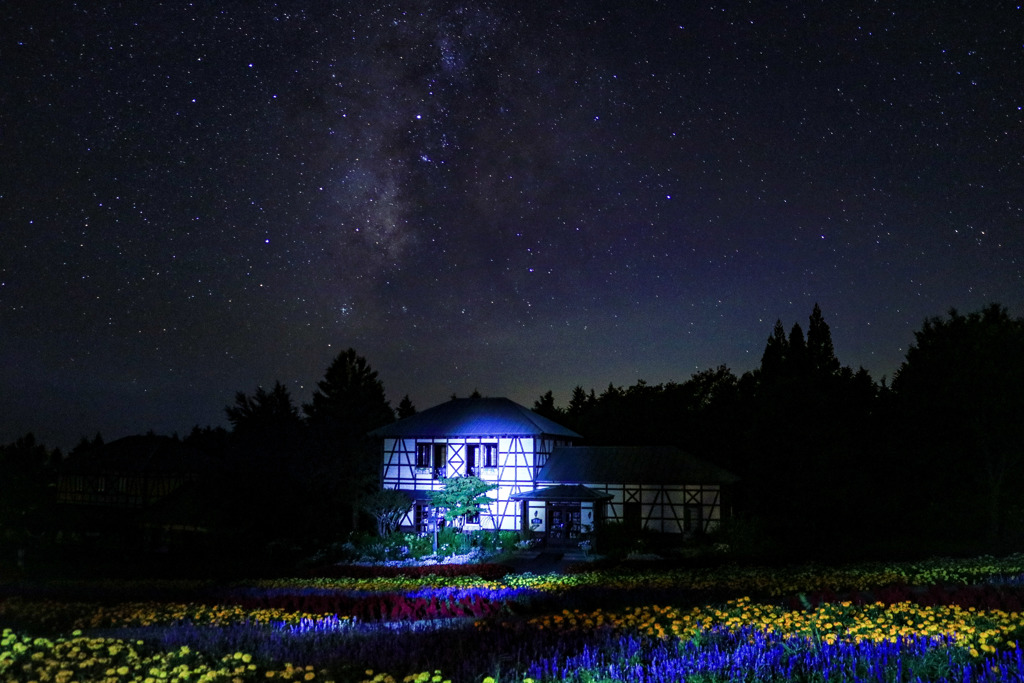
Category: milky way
[509,197]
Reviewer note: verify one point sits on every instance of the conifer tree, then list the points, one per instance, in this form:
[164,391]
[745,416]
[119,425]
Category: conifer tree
[349,401]
[405,408]
[344,460]
[796,353]
[774,357]
[819,345]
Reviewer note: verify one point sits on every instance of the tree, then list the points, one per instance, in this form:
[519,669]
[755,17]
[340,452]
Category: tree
[805,440]
[580,402]
[405,408]
[797,362]
[545,407]
[28,469]
[349,401]
[84,444]
[389,507]
[267,424]
[579,413]
[212,442]
[960,399]
[821,354]
[263,463]
[343,460]
[462,497]
[774,356]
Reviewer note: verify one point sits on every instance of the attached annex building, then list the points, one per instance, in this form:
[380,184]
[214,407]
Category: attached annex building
[546,483]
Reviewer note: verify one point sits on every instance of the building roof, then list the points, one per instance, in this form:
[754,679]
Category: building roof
[630,465]
[571,492]
[474,417]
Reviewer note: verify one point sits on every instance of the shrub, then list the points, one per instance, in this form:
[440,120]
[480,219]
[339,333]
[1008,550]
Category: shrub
[745,536]
[615,540]
[451,542]
[419,545]
[491,543]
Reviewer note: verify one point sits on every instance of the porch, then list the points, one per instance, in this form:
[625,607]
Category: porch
[564,516]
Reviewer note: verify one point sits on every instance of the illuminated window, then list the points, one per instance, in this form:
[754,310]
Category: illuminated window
[432,456]
[480,455]
[424,455]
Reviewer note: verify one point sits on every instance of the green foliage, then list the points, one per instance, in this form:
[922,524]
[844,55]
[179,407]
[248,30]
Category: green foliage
[491,543]
[450,541]
[388,507]
[419,546]
[462,497]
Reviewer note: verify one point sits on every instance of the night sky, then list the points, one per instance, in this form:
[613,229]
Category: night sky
[200,198]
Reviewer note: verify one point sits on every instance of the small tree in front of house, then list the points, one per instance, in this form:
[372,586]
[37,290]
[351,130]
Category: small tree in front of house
[388,507]
[462,497]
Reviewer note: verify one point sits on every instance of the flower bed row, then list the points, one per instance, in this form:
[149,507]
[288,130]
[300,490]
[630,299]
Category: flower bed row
[977,631]
[1005,596]
[751,655]
[483,570]
[80,658]
[52,616]
[422,603]
[732,580]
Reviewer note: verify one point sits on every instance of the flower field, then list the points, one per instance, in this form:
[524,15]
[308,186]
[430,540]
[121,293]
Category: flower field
[942,620]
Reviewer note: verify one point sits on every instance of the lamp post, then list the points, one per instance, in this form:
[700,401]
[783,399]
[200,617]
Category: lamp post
[433,523]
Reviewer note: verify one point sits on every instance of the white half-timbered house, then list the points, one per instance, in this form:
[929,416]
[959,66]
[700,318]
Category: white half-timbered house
[547,485]
[495,439]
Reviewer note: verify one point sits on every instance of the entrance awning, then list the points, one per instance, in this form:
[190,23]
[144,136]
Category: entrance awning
[564,492]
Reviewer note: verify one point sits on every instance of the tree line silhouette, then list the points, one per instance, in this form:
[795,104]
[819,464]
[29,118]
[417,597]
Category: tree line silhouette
[829,460]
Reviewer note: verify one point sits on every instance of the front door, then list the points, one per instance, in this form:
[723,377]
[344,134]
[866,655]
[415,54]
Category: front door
[563,524]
